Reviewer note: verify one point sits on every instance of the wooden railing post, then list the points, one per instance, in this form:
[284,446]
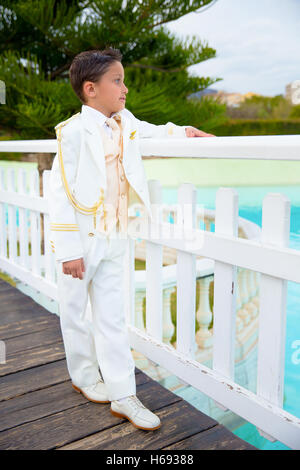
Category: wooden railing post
[272,311]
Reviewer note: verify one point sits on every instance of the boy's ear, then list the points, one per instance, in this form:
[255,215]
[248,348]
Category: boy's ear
[88,89]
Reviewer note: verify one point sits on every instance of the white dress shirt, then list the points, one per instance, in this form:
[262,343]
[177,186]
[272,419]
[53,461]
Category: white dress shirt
[99,118]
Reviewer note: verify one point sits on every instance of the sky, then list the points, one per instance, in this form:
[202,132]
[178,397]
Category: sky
[257,44]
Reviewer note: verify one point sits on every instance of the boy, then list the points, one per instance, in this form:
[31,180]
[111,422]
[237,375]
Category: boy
[97,162]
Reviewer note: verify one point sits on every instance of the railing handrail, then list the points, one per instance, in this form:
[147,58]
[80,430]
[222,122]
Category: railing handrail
[274,147]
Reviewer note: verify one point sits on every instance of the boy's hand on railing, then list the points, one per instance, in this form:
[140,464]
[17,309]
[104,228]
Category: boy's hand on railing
[74,267]
[194,132]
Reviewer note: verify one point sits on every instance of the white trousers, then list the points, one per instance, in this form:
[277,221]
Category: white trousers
[103,342]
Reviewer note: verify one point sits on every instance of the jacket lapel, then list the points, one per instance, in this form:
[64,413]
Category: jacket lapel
[126,131]
[94,141]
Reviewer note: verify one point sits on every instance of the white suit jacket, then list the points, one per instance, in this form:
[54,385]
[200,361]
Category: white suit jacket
[85,171]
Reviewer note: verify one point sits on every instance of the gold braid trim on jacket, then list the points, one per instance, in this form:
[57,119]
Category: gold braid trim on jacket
[75,203]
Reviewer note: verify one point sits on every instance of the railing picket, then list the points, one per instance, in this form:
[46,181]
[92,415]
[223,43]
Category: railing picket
[49,260]
[3,229]
[272,304]
[186,275]
[23,222]
[154,252]
[35,226]
[12,218]
[224,321]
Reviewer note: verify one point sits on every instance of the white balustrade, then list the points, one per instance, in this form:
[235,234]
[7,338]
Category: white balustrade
[250,277]
[139,304]
[168,327]
[204,315]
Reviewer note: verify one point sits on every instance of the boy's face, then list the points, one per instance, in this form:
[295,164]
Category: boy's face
[107,95]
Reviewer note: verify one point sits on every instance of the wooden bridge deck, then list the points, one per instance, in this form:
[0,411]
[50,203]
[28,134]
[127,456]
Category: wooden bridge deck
[39,410]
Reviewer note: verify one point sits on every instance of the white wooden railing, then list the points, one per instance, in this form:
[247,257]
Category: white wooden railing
[267,255]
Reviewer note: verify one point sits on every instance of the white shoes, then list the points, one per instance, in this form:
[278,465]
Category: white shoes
[133,409]
[96,392]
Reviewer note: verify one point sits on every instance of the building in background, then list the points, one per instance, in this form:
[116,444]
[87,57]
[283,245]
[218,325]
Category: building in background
[231,99]
[292,92]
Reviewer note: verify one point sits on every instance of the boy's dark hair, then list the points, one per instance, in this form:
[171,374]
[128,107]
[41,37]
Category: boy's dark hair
[91,65]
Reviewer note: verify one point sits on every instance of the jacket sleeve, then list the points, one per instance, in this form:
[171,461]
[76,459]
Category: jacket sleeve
[146,129]
[64,230]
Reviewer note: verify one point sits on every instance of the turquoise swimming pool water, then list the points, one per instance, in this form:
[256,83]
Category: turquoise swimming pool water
[250,207]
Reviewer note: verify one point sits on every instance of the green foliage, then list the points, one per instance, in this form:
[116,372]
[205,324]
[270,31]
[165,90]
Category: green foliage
[7,278]
[258,127]
[39,39]
[262,107]
[295,112]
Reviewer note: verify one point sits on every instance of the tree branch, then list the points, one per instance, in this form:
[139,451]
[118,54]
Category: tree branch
[158,69]
[61,69]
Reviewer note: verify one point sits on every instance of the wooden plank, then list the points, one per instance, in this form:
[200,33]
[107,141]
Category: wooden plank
[6,287]
[215,438]
[44,402]
[25,309]
[36,378]
[74,424]
[26,342]
[27,325]
[179,420]
[8,294]
[40,410]
[35,405]
[15,297]
[33,357]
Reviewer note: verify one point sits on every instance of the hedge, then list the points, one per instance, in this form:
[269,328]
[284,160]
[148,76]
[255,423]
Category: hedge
[258,127]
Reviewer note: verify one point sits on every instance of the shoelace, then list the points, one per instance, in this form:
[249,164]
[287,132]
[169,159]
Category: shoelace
[136,402]
[95,385]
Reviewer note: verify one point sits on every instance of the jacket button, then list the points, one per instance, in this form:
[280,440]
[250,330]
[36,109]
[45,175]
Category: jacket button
[91,234]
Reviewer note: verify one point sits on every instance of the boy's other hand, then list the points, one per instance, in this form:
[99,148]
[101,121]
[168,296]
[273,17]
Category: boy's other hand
[74,267]
[194,132]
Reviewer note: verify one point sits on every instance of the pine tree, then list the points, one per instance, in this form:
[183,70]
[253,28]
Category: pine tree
[39,38]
